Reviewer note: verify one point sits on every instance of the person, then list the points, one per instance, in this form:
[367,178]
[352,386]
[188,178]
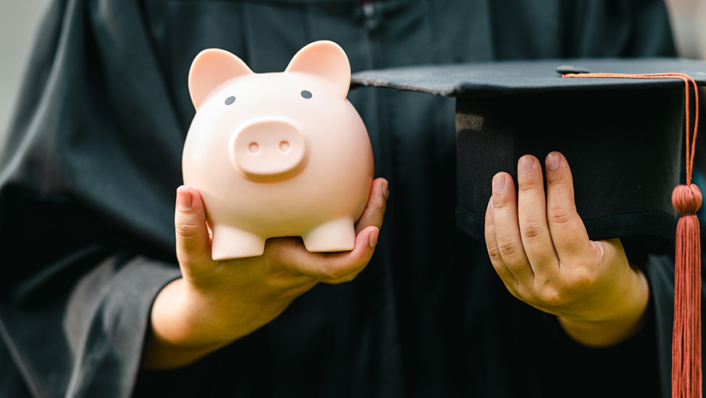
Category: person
[87,185]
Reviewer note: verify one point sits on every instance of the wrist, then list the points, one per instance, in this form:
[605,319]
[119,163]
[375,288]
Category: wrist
[625,315]
[188,322]
[178,318]
[171,341]
[191,317]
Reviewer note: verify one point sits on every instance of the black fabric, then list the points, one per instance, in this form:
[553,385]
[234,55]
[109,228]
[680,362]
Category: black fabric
[488,79]
[92,159]
[625,144]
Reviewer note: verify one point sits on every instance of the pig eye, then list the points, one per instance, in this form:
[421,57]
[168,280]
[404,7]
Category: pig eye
[306,94]
[230,100]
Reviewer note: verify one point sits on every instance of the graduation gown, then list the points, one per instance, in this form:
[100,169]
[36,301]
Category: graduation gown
[87,188]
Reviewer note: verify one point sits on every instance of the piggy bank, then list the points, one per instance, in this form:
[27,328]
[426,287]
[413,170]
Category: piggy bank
[277,154]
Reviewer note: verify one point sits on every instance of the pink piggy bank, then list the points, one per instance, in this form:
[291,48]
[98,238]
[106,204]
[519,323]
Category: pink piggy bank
[277,154]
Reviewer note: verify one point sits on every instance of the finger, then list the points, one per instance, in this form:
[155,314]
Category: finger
[507,229]
[494,253]
[568,232]
[531,206]
[375,208]
[333,266]
[192,241]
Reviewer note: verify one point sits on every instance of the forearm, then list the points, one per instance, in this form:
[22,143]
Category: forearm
[185,327]
[167,344]
[161,354]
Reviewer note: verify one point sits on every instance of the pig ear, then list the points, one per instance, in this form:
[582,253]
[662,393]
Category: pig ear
[325,59]
[210,69]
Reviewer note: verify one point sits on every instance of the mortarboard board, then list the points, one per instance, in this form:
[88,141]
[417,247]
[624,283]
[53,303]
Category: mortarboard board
[621,137]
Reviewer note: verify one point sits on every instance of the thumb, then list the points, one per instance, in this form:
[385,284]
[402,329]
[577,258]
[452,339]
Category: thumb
[193,244]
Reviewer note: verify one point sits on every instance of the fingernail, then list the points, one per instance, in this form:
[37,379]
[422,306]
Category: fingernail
[526,164]
[183,200]
[374,238]
[385,190]
[490,204]
[499,183]
[553,161]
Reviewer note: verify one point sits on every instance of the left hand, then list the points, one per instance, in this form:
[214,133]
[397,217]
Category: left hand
[218,302]
[541,251]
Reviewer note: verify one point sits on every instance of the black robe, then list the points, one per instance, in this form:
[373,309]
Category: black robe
[93,157]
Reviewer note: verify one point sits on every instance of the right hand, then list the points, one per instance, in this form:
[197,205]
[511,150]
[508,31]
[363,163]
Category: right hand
[217,302]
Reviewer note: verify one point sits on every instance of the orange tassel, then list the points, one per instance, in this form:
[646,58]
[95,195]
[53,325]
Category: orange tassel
[686,199]
[686,336]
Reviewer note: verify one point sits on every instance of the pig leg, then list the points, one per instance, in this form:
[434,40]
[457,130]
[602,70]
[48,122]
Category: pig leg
[229,242]
[334,236]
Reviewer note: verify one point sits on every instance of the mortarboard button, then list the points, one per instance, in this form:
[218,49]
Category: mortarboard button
[568,69]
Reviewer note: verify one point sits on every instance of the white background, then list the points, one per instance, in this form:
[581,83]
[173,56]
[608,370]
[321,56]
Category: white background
[19,20]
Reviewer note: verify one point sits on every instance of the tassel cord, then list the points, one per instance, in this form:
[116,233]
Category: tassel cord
[686,337]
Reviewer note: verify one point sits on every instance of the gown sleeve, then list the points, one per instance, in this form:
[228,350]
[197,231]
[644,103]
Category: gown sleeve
[88,175]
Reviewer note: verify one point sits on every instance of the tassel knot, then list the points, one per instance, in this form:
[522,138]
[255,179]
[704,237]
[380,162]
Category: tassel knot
[686,199]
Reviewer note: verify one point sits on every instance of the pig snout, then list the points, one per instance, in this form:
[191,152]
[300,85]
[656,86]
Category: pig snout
[268,150]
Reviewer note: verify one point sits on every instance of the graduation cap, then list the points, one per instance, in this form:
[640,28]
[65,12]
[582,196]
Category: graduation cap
[622,136]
